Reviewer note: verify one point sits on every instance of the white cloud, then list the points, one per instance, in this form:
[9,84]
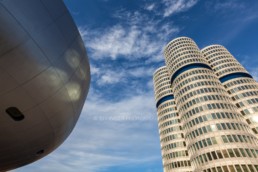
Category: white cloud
[117,41]
[227,5]
[131,17]
[141,71]
[235,11]
[150,7]
[140,105]
[138,38]
[94,70]
[110,77]
[150,84]
[177,6]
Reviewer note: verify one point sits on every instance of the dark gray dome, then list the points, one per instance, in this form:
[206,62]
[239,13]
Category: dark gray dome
[44,79]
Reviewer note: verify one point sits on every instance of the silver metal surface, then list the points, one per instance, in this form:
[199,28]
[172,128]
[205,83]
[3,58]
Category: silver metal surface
[44,72]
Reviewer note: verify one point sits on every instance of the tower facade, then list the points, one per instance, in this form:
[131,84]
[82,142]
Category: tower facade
[212,128]
[240,85]
[173,147]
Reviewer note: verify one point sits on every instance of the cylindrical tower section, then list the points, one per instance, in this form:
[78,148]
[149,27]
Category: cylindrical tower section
[162,86]
[240,85]
[173,147]
[217,137]
[182,47]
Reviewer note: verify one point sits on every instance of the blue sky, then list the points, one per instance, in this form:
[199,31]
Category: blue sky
[117,130]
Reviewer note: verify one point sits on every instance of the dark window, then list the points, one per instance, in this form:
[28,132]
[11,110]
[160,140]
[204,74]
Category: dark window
[254,130]
[219,169]
[15,113]
[219,154]
[231,153]
[214,155]
[256,167]
[244,167]
[225,169]
[238,168]
[209,156]
[251,168]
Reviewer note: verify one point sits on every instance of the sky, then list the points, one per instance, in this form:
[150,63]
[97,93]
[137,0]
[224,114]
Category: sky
[117,130]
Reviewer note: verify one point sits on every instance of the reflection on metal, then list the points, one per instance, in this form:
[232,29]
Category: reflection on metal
[74,91]
[44,71]
[53,78]
[73,58]
[62,74]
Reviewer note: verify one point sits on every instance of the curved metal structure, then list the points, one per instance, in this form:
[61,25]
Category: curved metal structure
[44,76]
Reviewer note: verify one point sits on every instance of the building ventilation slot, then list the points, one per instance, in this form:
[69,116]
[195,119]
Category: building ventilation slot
[15,113]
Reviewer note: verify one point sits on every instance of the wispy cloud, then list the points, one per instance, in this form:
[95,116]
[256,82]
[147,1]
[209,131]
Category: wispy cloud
[119,41]
[177,6]
[150,7]
[142,71]
[138,37]
[94,70]
[228,5]
[236,13]
[131,105]
[235,10]
[114,42]
[110,77]
[105,75]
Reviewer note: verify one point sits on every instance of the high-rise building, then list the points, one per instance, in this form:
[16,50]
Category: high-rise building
[206,104]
